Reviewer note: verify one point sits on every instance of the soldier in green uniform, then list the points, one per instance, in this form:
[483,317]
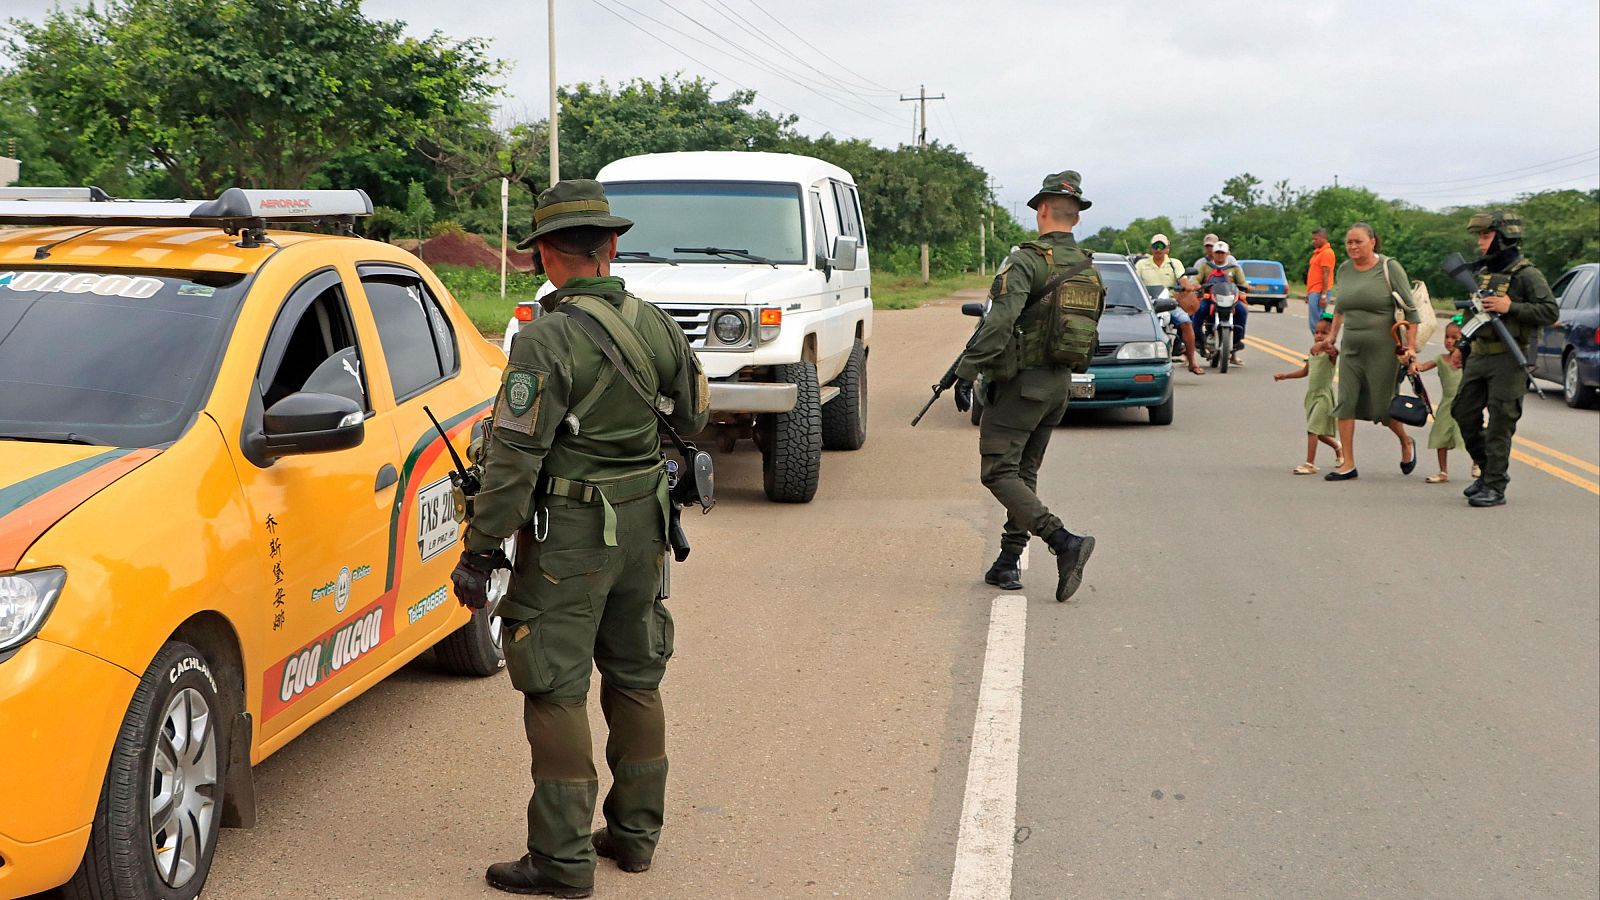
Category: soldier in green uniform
[1491,379]
[573,468]
[1039,329]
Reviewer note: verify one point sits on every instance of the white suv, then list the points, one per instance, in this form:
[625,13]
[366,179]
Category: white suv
[762,258]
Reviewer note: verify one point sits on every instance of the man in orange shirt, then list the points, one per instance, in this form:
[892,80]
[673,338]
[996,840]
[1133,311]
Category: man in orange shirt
[1319,277]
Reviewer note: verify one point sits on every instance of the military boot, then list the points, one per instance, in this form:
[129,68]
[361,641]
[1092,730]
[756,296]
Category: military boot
[1072,553]
[1472,489]
[522,877]
[1487,497]
[1006,573]
[604,847]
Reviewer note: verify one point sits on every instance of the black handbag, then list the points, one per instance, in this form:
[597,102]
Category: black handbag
[1413,411]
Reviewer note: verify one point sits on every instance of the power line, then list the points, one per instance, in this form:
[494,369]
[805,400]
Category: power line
[1472,192]
[712,70]
[750,58]
[1589,152]
[1492,185]
[819,50]
[756,31]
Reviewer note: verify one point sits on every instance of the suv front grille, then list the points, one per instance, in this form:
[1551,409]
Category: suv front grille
[694,320]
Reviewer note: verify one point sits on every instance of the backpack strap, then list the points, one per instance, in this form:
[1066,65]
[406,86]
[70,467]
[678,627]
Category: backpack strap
[633,350]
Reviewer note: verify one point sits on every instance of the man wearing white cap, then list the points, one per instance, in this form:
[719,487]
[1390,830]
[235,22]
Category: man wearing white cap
[1162,270]
[1223,267]
[1211,241]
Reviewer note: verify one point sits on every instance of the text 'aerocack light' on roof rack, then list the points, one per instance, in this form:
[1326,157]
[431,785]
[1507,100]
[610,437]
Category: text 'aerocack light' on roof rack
[237,210]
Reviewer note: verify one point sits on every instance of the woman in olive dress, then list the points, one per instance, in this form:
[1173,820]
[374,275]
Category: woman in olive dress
[1369,365]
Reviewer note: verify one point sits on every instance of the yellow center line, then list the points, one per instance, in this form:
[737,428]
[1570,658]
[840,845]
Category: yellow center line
[1589,485]
[1553,453]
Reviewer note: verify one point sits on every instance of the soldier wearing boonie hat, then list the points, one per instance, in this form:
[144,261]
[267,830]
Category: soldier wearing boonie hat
[1047,293]
[1491,380]
[574,473]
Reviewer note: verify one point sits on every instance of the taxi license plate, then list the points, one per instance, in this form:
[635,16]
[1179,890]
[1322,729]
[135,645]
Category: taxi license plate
[1081,388]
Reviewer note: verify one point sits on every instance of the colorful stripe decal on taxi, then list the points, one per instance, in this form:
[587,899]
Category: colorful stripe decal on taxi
[427,449]
[29,507]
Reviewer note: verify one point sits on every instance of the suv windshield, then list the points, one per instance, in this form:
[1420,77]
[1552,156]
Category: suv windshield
[108,357]
[1122,288]
[1262,270]
[756,218]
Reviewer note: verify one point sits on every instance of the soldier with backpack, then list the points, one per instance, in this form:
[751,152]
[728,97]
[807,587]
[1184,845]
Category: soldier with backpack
[1044,310]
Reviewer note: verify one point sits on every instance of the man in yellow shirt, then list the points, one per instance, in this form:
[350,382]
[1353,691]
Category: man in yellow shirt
[1161,269]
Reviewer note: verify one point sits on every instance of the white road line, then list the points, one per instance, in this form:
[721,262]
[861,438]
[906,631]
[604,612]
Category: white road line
[986,842]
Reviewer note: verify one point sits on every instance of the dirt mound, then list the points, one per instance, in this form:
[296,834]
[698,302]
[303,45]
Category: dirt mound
[460,248]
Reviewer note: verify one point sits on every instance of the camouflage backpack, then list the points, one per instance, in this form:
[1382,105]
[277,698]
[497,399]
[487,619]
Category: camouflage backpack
[1061,321]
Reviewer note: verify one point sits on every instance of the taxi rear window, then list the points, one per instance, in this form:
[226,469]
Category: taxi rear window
[112,357]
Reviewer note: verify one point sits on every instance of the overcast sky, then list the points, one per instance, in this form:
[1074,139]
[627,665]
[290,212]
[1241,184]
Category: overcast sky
[1156,103]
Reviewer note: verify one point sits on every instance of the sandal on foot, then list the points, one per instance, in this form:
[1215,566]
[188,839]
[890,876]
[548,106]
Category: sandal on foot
[1305,469]
[1438,478]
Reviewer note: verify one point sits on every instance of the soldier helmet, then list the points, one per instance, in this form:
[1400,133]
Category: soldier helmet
[1502,221]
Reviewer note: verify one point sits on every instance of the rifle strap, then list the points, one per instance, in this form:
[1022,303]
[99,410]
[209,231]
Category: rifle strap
[1055,282]
[597,333]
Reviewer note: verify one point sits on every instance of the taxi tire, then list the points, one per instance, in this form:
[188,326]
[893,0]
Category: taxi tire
[118,864]
[470,649]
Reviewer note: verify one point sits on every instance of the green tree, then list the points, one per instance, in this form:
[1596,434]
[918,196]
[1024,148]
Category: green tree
[255,92]
[419,213]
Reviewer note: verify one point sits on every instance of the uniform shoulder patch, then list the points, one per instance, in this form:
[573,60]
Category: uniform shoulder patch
[517,407]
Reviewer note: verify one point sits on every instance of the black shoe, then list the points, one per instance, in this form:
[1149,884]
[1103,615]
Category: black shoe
[1006,573]
[522,877]
[1473,488]
[1072,553]
[602,845]
[1340,476]
[1409,466]
[1487,497]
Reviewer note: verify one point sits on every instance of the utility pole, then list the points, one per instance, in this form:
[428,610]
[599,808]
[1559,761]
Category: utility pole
[922,99]
[555,112]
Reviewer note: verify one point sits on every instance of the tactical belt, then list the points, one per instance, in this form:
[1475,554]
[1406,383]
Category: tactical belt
[1488,347]
[607,494]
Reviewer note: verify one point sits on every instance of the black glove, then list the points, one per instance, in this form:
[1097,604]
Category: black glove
[963,390]
[472,574]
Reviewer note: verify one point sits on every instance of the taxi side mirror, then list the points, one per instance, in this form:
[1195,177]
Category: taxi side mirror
[311,422]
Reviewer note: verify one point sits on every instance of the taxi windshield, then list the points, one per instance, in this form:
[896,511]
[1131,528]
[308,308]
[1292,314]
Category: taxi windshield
[747,218]
[110,357]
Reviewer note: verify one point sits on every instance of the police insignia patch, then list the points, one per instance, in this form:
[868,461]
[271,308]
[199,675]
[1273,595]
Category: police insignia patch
[518,405]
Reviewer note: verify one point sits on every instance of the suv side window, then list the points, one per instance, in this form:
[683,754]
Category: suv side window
[844,198]
[417,339]
[312,346]
[823,248]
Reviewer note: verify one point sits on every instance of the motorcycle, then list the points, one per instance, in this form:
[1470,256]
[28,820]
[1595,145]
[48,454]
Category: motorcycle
[1217,340]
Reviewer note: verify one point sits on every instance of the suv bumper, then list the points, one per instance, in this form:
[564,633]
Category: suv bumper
[753,397]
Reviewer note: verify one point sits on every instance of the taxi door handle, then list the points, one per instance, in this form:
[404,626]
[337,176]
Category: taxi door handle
[387,477]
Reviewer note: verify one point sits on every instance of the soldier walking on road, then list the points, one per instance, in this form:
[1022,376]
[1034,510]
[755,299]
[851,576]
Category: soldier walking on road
[1045,304]
[574,469]
[1491,379]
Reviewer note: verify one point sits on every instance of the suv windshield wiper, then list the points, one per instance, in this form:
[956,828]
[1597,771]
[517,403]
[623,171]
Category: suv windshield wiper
[725,251]
[645,256]
[57,437]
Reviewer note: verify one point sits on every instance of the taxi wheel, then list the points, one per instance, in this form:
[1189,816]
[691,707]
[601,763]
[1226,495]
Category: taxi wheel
[474,648]
[155,830]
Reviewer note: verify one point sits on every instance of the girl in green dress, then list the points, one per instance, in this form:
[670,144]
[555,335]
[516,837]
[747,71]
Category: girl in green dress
[1369,363]
[1318,372]
[1446,435]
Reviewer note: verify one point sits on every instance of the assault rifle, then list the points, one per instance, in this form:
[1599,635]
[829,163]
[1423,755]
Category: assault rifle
[948,379]
[1461,271]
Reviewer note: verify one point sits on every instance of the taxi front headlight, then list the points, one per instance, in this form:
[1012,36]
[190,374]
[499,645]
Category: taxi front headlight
[1141,350]
[25,601]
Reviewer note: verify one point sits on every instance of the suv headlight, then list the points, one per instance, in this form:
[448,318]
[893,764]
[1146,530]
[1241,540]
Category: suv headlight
[25,601]
[729,327]
[1141,350]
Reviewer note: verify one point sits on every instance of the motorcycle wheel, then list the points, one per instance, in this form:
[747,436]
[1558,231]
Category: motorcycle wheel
[1224,349]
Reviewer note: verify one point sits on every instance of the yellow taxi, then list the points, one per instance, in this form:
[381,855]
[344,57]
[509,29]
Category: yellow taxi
[224,512]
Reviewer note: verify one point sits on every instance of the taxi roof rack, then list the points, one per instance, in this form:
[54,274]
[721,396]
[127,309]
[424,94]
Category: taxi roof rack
[240,211]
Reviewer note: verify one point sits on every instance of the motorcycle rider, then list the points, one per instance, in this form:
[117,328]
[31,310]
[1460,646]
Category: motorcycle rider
[1222,267]
[1162,270]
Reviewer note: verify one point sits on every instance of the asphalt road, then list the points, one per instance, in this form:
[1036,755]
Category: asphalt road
[1270,686]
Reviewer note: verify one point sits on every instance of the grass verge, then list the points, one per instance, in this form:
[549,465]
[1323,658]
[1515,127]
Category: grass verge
[908,292]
